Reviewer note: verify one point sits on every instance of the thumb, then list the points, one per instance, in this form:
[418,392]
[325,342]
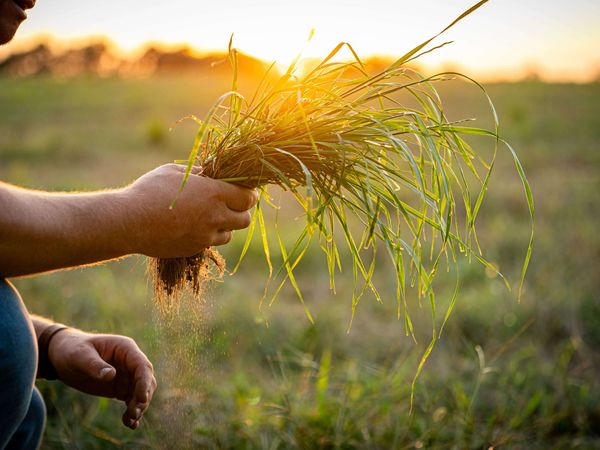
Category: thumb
[196,170]
[99,369]
[107,373]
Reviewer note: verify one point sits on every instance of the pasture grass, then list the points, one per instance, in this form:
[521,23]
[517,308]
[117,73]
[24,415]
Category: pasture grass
[233,375]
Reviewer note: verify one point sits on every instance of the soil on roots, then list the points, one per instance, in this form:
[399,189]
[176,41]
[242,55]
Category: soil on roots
[172,276]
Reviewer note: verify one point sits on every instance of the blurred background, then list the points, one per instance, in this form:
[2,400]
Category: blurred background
[88,93]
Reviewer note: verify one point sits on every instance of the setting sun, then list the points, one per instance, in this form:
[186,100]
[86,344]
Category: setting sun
[501,41]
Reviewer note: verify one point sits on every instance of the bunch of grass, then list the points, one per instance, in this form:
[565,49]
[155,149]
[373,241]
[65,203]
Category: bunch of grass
[340,140]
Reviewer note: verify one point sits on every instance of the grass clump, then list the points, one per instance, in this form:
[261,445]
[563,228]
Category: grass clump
[344,144]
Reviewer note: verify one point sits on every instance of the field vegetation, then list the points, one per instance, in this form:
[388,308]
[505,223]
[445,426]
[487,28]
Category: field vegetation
[235,375]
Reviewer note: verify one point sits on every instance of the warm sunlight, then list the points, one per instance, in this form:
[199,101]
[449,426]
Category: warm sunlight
[504,39]
[389,244]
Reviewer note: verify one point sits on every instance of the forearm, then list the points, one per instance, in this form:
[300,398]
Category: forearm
[42,231]
[40,324]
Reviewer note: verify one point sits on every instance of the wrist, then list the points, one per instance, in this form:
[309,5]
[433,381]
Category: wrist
[46,368]
[133,230]
[124,207]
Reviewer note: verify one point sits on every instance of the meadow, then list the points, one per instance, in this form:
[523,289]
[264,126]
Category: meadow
[233,373]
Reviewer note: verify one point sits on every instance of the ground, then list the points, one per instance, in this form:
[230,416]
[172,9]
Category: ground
[235,375]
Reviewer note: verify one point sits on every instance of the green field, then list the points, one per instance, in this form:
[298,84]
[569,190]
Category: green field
[232,374]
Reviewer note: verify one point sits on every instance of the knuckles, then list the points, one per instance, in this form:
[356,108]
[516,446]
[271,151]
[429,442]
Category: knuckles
[246,220]
[222,238]
[126,341]
[252,199]
[247,202]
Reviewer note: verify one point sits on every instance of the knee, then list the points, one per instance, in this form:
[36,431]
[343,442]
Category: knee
[37,409]
[18,346]
[32,427]
[18,359]
[30,431]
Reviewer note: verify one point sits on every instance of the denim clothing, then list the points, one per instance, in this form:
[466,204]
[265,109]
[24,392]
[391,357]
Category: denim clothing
[22,409]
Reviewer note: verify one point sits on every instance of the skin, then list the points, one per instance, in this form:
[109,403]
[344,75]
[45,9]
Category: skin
[43,231]
[104,365]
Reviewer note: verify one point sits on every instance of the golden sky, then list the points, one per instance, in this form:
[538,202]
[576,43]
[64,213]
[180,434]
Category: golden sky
[504,39]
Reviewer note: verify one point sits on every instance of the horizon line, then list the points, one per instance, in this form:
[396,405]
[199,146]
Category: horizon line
[524,72]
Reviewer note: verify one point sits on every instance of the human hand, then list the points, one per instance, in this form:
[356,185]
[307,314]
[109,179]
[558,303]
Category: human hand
[206,212]
[105,365]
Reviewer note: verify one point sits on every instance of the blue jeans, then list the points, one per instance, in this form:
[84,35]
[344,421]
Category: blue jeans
[22,409]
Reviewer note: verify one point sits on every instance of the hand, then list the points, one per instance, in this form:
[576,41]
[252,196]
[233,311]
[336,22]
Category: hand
[205,214]
[105,365]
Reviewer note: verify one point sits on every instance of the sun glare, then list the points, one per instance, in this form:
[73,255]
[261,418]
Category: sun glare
[494,40]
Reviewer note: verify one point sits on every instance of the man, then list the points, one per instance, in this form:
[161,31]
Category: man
[41,231]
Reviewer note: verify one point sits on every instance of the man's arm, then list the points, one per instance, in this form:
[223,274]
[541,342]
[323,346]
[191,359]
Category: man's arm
[42,231]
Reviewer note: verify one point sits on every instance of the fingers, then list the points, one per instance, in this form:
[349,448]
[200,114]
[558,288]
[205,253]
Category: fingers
[238,198]
[235,220]
[129,422]
[132,377]
[142,387]
[222,238]
[143,391]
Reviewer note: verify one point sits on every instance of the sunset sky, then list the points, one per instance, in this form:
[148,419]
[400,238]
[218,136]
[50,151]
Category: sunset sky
[504,39]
